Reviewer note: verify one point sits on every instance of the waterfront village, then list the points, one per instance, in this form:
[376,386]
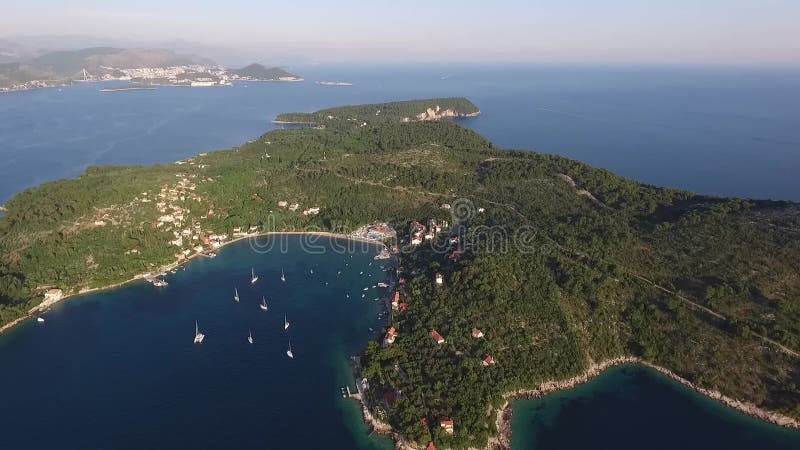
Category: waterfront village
[193,75]
[173,215]
[376,400]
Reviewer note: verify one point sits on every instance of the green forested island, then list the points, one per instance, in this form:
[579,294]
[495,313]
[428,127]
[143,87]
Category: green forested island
[546,264]
[260,72]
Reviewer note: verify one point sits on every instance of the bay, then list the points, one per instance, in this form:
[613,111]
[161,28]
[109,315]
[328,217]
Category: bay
[118,369]
[631,407]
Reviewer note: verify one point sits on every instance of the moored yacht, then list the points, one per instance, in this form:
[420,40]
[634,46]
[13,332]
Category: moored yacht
[253,276]
[285,323]
[283,276]
[198,336]
[263,304]
[236,295]
[250,336]
[289,352]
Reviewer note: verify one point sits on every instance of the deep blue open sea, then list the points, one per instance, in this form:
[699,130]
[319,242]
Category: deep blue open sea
[118,369]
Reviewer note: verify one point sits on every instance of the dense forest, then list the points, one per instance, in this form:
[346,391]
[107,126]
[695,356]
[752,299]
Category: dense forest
[381,112]
[556,262]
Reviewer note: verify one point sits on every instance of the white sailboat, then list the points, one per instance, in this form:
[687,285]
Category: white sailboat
[250,337]
[198,336]
[283,277]
[236,295]
[285,323]
[253,276]
[289,352]
[263,304]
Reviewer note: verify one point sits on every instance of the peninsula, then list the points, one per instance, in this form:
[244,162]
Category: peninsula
[517,269]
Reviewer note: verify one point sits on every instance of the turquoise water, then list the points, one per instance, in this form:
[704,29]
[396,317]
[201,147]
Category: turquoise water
[631,407]
[119,370]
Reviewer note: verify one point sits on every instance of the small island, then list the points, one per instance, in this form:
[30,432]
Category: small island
[132,87]
[258,72]
[334,83]
[519,273]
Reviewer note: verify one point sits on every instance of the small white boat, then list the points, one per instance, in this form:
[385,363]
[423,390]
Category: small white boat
[253,276]
[285,323]
[198,336]
[311,271]
[263,304]
[236,295]
[289,352]
[283,276]
[250,337]
[40,320]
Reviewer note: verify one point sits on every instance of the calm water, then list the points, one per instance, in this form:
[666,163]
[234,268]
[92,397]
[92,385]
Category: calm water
[119,370]
[630,408]
[729,131]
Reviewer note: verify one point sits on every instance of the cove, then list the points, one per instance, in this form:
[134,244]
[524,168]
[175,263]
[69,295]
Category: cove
[118,369]
[633,407]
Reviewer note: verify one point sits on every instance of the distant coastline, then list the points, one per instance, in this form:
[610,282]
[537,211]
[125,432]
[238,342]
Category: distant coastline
[128,88]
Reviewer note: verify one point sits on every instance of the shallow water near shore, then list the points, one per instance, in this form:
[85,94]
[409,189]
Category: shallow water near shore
[633,407]
[118,369]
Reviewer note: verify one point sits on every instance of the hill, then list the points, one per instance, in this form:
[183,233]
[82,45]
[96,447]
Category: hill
[72,62]
[258,72]
[413,110]
[559,264]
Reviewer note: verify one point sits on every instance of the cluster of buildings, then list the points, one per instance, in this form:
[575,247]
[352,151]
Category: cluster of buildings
[34,84]
[186,75]
[421,233]
[294,206]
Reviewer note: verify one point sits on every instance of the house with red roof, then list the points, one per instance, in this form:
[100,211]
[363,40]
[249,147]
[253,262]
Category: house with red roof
[437,337]
[476,333]
[439,279]
[487,361]
[447,424]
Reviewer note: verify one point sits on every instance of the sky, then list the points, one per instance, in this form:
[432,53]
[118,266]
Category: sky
[574,31]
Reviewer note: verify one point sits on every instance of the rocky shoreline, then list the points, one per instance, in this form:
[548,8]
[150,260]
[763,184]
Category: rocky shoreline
[503,421]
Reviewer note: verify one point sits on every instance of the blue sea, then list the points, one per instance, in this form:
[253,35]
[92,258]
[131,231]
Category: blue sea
[719,131]
[118,369]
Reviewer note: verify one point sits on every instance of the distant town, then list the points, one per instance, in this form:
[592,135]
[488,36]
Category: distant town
[144,67]
[194,75]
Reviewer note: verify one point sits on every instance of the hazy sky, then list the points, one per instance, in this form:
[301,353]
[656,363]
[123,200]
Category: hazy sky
[631,31]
